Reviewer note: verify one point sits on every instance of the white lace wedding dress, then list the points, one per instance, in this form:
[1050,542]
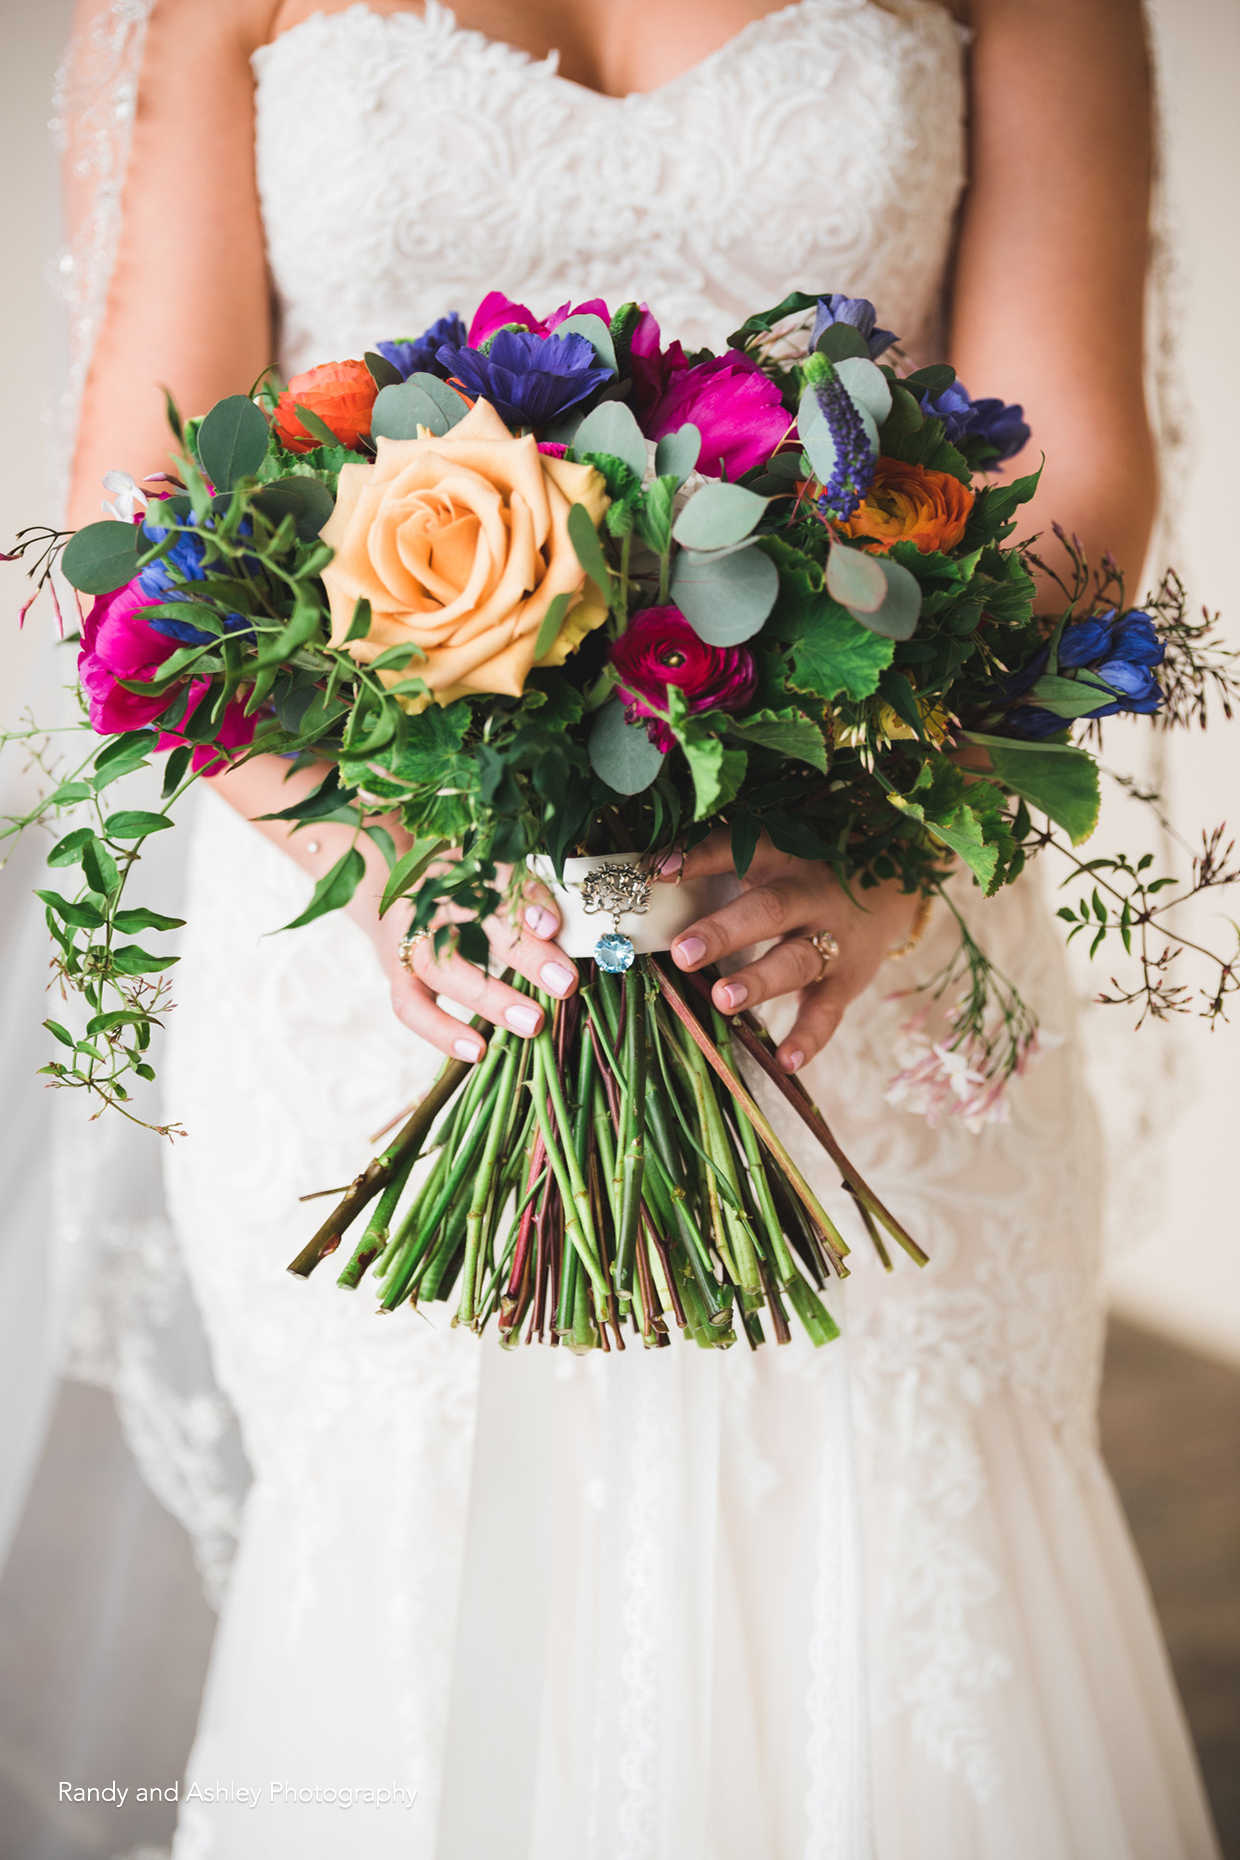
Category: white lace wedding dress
[874,1602]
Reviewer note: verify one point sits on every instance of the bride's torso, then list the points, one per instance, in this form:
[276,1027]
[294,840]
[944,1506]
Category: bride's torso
[408,164]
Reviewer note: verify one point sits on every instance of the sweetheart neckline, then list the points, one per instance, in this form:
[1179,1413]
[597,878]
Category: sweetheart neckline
[547,66]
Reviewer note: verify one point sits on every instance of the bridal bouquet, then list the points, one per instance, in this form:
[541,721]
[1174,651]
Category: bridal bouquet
[554,594]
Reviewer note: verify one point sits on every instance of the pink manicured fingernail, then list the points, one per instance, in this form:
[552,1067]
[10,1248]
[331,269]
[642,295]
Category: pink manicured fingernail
[523,1018]
[671,865]
[688,950]
[466,1049]
[792,1062]
[733,995]
[542,922]
[555,978]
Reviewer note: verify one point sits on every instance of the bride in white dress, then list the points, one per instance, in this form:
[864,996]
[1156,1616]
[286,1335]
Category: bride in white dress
[873,1602]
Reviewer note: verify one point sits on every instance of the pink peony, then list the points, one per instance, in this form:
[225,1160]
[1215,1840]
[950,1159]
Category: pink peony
[737,409]
[118,642]
[496,310]
[661,650]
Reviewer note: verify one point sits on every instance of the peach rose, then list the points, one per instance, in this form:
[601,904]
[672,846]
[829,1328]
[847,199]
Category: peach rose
[910,503]
[341,393]
[460,544]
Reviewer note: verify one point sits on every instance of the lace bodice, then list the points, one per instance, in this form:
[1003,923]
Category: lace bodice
[407,165]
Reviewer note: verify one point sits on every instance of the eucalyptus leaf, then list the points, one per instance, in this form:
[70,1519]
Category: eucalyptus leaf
[611,428]
[621,753]
[585,540]
[102,557]
[596,334]
[897,614]
[867,385]
[422,400]
[855,579]
[677,453]
[725,599]
[718,515]
[306,500]
[232,441]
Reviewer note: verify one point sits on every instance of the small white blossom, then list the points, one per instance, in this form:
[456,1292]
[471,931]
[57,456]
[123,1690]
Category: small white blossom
[128,497]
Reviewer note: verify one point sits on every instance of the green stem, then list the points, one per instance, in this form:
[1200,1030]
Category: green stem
[484,1184]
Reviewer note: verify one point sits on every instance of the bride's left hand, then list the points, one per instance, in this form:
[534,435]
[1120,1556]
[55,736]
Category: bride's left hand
[790,899]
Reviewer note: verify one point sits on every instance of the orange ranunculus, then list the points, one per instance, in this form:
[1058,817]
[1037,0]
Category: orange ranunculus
[341,393]
[910,503]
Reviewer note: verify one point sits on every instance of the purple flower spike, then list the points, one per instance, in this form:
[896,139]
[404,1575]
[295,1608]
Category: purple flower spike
[853,473]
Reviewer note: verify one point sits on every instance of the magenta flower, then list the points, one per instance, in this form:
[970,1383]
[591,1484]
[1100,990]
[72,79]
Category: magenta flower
[659,651]
[118,642]
[236,731]
[496,311]
[737,409]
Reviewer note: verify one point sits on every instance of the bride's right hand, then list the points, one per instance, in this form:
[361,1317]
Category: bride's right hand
[527,946]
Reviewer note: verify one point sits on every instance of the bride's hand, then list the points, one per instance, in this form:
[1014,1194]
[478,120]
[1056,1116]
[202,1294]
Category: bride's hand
[790,900]
[527,946]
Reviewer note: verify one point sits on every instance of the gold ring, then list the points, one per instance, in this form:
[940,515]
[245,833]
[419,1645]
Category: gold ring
[828,949]
[408,943]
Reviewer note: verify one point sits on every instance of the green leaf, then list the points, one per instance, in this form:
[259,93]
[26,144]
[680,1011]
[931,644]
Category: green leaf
[965,816]
[409,869]
[725,598]
[81,915]
[746,833]
[100,868]
[130,959]
[1071,697]
[382,372]
[123,753]
[69,850]
[308,502]
[763,320]
[718,515]
[1001,501]
[232,441]
[611,429]
[316,425]
[101,557]
[134,824]
[677,453]
[549,631]
[596,334]
[116,1017]
[140,918]
[60,1033]
[840,341]
[931,380]
[835,656]
[422,400]
[1062,782]
[359,625]
[334,889]
[585,540]
[621,753]
[787,732]
[717,772]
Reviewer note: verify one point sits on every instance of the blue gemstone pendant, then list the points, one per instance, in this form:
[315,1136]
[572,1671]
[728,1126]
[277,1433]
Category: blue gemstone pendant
[614,952]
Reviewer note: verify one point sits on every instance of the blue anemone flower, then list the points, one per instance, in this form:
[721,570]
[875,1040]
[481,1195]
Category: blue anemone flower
[1119,649]
[859,312]
[529,379]
[420,354]
[987,430]
[165,579]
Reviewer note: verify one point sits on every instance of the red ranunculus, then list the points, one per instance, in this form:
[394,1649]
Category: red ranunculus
[660,650]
